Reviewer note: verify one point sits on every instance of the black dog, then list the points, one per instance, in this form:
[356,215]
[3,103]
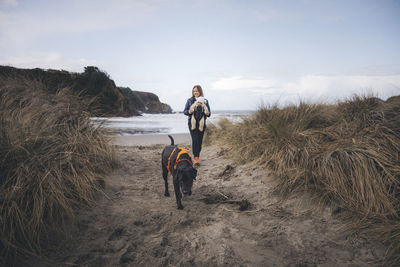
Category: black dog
[178,162]
[198,113]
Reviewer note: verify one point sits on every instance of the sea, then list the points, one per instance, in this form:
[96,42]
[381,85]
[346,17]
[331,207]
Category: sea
[174,123]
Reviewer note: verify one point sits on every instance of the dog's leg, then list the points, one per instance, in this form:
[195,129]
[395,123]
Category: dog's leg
[178,194]
[193,122]
[201,124]
[165,176]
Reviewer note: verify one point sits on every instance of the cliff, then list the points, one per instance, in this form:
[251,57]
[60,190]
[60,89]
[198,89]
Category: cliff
[99,92]
[144,101]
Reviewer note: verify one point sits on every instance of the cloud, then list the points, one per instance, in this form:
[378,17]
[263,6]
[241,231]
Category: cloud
[8,3]
[265,15]
[25,25]
[339,86]
[49,60]
[238,82]
[311,88]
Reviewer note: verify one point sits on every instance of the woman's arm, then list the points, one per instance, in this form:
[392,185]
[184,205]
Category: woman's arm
[209,110]
[187,107]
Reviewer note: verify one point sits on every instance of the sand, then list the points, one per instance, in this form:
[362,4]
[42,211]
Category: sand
[232,219]
[150,139]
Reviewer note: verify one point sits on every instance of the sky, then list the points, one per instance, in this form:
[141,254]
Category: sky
[244,53]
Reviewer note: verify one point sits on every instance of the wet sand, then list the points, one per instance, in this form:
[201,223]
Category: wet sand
[150,139]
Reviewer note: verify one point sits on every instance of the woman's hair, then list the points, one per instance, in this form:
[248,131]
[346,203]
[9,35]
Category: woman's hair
[198,89]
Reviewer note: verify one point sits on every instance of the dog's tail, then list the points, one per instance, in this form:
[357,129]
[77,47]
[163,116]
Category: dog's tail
[172,140]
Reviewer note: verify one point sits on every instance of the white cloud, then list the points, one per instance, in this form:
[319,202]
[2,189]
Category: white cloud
[50,60]
[316,87]
[311,88]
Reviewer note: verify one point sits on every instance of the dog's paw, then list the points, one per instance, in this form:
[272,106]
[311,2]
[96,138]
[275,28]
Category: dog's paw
[166,194]
[180,207]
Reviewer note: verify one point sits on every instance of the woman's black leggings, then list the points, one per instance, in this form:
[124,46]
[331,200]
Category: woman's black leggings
[197,141]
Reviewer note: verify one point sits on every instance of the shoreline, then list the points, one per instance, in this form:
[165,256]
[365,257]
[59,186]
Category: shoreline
[150,139]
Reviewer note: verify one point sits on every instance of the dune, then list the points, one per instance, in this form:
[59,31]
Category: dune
[231,219]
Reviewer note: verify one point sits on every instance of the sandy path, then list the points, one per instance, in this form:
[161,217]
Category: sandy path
[135,225]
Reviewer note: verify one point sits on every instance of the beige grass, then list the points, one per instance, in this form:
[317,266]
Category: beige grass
[51,161]
[347,154]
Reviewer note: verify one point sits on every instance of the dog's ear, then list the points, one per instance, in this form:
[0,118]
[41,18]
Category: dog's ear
[194,173]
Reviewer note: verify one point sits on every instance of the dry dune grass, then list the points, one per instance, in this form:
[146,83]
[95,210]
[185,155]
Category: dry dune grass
[51,161]
[348,154]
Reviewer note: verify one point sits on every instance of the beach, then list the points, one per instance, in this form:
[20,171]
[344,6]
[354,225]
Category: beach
[160,124]
[231,219]
[150,139]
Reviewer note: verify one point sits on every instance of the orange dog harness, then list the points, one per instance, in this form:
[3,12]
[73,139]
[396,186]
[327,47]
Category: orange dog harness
[182,151]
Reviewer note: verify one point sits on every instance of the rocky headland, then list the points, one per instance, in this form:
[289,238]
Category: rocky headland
[95,87]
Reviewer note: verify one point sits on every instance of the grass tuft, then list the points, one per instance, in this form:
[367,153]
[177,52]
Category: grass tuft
[347,154]
[52,160]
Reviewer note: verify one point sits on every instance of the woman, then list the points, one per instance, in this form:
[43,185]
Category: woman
[193,107]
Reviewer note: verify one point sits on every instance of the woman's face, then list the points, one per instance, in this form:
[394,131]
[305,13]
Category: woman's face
[196,92]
